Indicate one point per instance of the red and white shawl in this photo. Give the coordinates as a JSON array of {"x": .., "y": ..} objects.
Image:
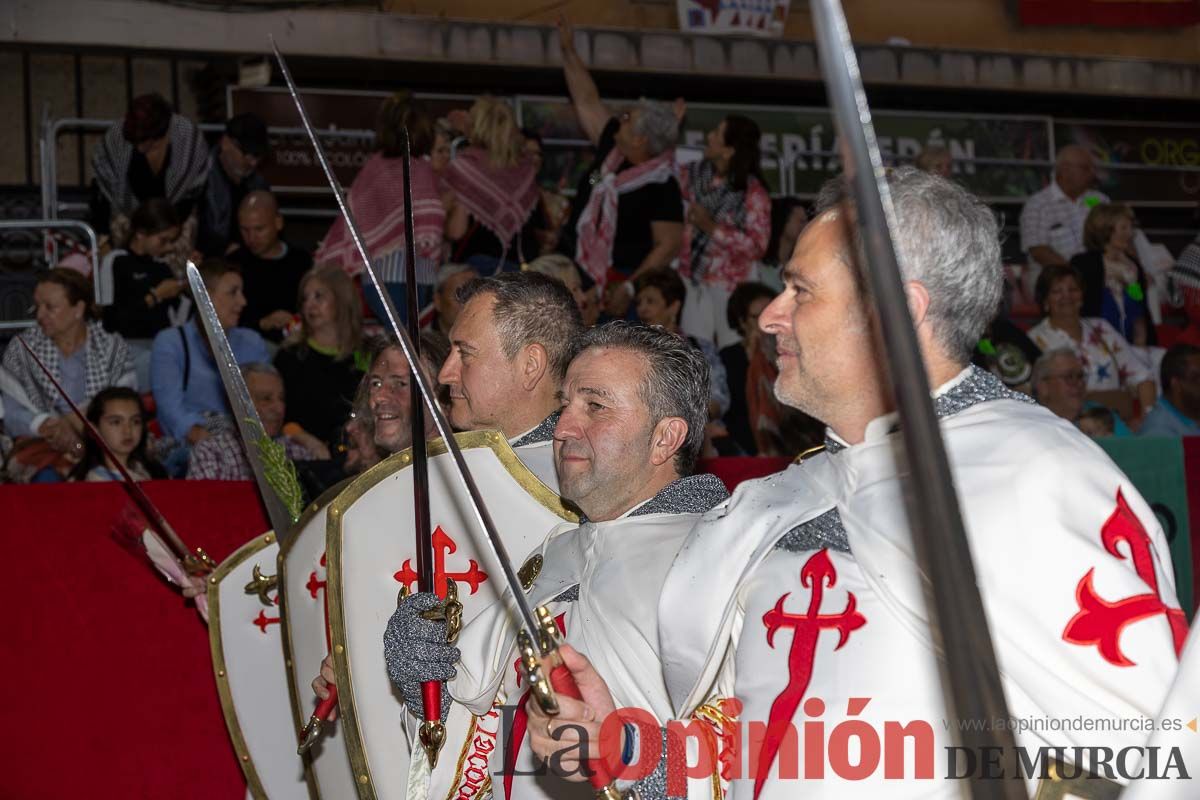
[
  {"x": 376, "y": 199},
  {"x": 500, "y": 198},
  {"x": 597, "y": 226}
]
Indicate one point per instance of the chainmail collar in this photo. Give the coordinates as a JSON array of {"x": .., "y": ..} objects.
[
  {"x": 694, "y": 494},
  {"x": 544, "y": 432},
  {"x": 969, "y": 388}
]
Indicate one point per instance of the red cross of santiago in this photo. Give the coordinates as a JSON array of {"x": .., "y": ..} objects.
[
  {"x": 1101, "y": 622},
  {"x": 817, "y": 574},
  {"x": 443, "y": 546}
]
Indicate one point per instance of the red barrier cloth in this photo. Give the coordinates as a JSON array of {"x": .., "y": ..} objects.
[
  {"x": 111, "y": 690},
  {"x": 1111, "y": 13},
  {"x": 735, "y": 469}
]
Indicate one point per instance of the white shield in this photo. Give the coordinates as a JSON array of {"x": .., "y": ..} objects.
[
  {"x": 244, "y": 636},
  {"x": 302, "y": 574},
  {"x": 371, "y": 554}
]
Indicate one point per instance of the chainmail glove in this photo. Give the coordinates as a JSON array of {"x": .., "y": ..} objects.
[{"x": 416, "y": 651}]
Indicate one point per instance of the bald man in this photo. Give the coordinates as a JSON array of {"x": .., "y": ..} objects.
[
  {"x": 271, "y": 268},
  {"x": 1052, "y": 219}
]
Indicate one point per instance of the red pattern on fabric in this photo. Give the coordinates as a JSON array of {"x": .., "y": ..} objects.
[
  {"x": 1100, "y": 622},
  {"x": 91, "y": 618},
  {"x": 817, "y": 574},
  {"x": 376, "y": 198},
  {"x": 501, "y": 198},
  {"x": 732, "y": 252}
]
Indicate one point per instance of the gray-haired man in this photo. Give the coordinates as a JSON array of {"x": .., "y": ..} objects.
[
  {"x": 634, "y": 404},
  {"x": 628, "y": 209},
  {"x": 801, "y": 600}
]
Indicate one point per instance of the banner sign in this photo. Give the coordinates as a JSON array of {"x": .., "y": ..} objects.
[
  {"x": 292, "y": 165},
  {"x": 799, "y": 145},
  {"x": 1156, "y": 467},
  {"x": 736, "y": 17},
  {"x": 1111, "y": 13},
  {"x": 1167, "y": 147}
]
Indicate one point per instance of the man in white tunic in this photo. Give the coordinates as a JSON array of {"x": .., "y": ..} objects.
[
  {"x": 633, "y": 411},
  {"x": 799, "y": 607}
]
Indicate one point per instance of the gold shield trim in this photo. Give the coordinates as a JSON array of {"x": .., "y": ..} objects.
[
  {"x": 295, "y": 691},
  {"x": 397, "y": 462},
  {"x": 236, "y": 559}
]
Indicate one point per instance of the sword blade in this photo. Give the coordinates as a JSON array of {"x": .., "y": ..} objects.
[
  {"x": 153, "y": 516},
  {"x": 420, "y": 374},
  {"x": 244, "y": 414},
  {"x": 940, "y": 540}
]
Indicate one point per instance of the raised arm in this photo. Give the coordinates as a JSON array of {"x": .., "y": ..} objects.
[{"x": 585, "y": 97}]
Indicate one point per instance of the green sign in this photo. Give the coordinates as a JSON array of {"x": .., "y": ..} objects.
[{"x": 1155, "y": 466}]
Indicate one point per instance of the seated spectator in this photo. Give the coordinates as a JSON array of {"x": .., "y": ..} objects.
[
  {"x": 443, "y": 141},
  {"x": 117, "y": 413},
  {"x": 1114, "y": 283},
  {"x": 450, "y": 278},
  {"x": 189, "y": 397},
  {"x": 935, "y": 158},
  {"x": 661, "y": 294},
  {"x": 271, "y": 267},
  {"x": 628, "y": 210},
  {"x": 388, "y": 397},
  {"x": 82, "y": 356},
  {"x": 745, "y": 305},
  {"x": 1177, "y": 412},
  {"x": 495, "y": 192},
  {"x": 232, "y": 176},
  {"x": 556, "y": 265},
  {"x": 1007, "y": 352},
  {"x": 590, "y": 310},
  {"x": 1052, "y": 220},
  {"x": 1059, "y": 383},
  {"x": 322, "y": 364},
  {"x": 377, "y": 199},
  {"x": 1116, "y": 375},
  {"x": 728, "y": 225},
  {"x": 153, "y": 152},
  {"x": 616, "y": 299},
  {"x": 1183, "y": 286},
  {"x": 1098, "y": 422},
  {"x": 146, "y": 295},
  {"x": 222, "y": 456}
]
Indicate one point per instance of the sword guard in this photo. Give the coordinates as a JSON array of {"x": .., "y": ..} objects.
[
  {"x": 535, "y": 675},
  {"x": 199, "y": 564},
  {"x": 449, "y": 610},
  {"x": 312, "y": 730},
  {"x": 433, "y": 736}
]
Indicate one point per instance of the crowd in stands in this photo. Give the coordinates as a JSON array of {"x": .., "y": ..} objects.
[{"x": 694, "y": 248}]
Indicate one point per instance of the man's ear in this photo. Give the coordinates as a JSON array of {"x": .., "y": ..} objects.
[
  {"x": 669, "y": 436},
  {"x": 917, "y": 297},
  {"x": 535, "y": 363}
]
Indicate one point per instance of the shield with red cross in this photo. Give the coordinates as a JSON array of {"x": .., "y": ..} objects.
[
  {"x": 370, "y": 556},
  {"x": 305, "y": 631},
  {"x": 248, "y": 665}
]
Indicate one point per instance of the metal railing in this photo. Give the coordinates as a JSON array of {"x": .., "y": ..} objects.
[
  {"x": 57, "y": 224},
  {"x": 51, "y": 128}
]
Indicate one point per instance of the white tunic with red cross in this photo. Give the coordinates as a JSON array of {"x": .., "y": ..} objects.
[{"x": 835, "y": 647}]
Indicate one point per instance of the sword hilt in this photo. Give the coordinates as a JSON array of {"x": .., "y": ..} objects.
[{"x": 312, "y": 729}]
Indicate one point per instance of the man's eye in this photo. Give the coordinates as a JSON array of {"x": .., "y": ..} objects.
[{"x": 594, "y": 406}]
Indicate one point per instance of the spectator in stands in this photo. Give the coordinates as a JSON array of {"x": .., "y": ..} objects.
[
  {"x": 188, "y": 394},
  {"x": 146, "y": 295},
  {"x": 590, "y": 310},
  {"x": 1007, "y": 352},
  {"x": 82, "y": 356},
  {"x": 1114, "y": 283},
  {"x": 450, "y": 278},
  {"x": 443, "y": 139},
  {"x": 936, "y": 158},
  {"x": 728, "y": 225},
  {"x": 153, "y": 152},
  {"x": 661, "y": 295},
  {"x": 232, "y": 176},
  {"x": 1098, "y": 422},
  {"x": 389, "y": 398},
  {"x": 742, "y": 311},
  {"x": 616, "y": 300},
  {"x": 628, "y": 210},
  {"x": 1183, "y": 283},
  {"x": 1116, "y": 375},
  {"x": 322, "y": 364},
  {"x": 118, "y": 414},
  {"x": 222, "y": 456},
  {"x": 495, "y": 192},
  {"x": 1052, "y": 220},
  {"x": 1177, "y": 412},
  {"x": 552, "y": 208},
  {"x": 377, "y": 200},
  {"x": 1059, "y": 382},
  {"x": 558, "y": 266},
  {"x": 271, "y": 267}
]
